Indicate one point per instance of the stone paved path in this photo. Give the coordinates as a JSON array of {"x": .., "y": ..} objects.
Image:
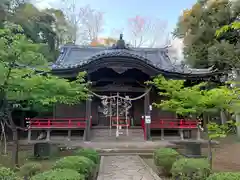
[{"x": 123, "y": 168}]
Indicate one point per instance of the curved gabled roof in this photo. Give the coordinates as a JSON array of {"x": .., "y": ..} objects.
[{"x": 73, "y": 56}]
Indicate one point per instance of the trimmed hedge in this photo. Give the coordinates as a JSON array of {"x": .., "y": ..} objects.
[
  {"x": 225, "y": 176},
  {"x": 164, "y": 158},
  {"x": 89, "y": 153},
  {"x": 7, "y": 174},
  {"x": 80, "y": 164},
  {"x": 59, "y": 174},
  {"x": 30, "y": 169},
  {"x": 190, "y": 169}
]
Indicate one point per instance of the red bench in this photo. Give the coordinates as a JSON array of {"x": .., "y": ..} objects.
[{"x": 56, "y": 123}]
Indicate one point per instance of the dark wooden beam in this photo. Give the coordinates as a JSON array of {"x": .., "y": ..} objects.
[
  {"x": 117, "y": 80},
  {"x": 147, "y": 112},
  {"x": 116, "y": 88}
]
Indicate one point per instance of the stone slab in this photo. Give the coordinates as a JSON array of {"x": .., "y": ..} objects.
[{"x": 123, "y": 168}]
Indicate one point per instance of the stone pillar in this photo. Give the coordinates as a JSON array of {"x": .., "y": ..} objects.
[
  {"x": 147, "y": 112},
  {"x": 88, "y": 120}
]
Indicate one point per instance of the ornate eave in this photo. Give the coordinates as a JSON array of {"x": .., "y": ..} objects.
[{"x": 120, "y": 57}]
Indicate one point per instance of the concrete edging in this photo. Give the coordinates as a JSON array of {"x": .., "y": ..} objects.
[
  {"x": 100, "y": 171},
  {"x": 153, "y": 174}
]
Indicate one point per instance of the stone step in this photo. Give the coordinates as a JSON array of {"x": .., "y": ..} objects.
[
  {"x": 126, "y": 153},
  {"x": 148, "y": 151},
  {"x": 110, "y": 135}
]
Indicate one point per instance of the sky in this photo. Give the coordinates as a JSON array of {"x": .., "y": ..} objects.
[{"x": 117, "y": 12}]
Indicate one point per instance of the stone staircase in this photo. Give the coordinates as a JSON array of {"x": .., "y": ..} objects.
[{"x": 103, "y": 135}]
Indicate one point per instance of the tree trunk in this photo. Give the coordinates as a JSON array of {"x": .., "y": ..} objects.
[
  {"x": 238, "y": 113},
  {"x": 15, "y": 141},
  {"x": 223, "y": 117},
  {"x": 210, "y": 158}
]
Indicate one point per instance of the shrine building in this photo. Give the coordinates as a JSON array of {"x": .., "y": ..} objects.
[{"x": 121, "y": 102}]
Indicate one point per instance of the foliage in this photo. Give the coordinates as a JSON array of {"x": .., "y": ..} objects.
[
  {"x": 81, "y": 164},
  {"x": 103, "y": 42},
  {"x": 7, "y": 174},
  {"x": 197, "y": 100},
  {"x": 190, "y": 169},
  {"x": 226, "y": 28},
  {"x": 59, "y": 174},
  {"x": 220, "y": 130},
  {"x": 50, "y": 26},
  {"x": 197, "y": 27},
  {"x": 25, "y": 79},
  {"x": 30, "y": 169},
  {"x": 89, "y": 153},
  {"x": 25, "y": 83},
  {"x": 194, "y": 100},
  {"x": 224, "y": 176},
  {"x": 165, "y": 157}
]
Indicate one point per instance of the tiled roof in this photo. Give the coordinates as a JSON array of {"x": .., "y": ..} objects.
[{"x": 73, "y": 56}]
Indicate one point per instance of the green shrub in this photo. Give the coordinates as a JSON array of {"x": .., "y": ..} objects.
[
  {"x": 80, "y": 164},
  {"x": 164, "y": 158},
  {"x": 89, "y": 153},
  {"x": 190, "y": 169},
  {"x": 7, "y": 174},
  {"x": 59, "y": 174},
  {"x": 30, "y": 169},
  {"x": 225, "y": 176}
]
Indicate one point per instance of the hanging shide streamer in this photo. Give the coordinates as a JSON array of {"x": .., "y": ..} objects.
[{"x": 117, "y": 106}]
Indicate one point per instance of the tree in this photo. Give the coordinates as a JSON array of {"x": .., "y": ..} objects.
[
  {"x": 197, "y": 101},
  {"x": 103, "y": 42},
  {"x": 91, "y": 24},
  {"x": 37, "y": 26},
  {"x": 86, "y": 23},
  {"x": 25, "y": 81},
  {"x": 197, "y": 27},
  {"x": 146, "y": 32},
  {"x": 61, "y": 27}
]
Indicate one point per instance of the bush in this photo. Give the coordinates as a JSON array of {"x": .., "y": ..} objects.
[
  {"x": 59, "y": 174},
  {"x": 190, "y": 169},
  {"x": 30, "y": 169},
  {"x": 164, "y": 158},
  {"x": 224, "y": 176},
  {"x": 89, "y": 153},
  {"x": 7, "y": 174},
  {"x": 80, "y": 164}
]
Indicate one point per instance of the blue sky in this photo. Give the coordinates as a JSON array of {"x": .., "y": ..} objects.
[{"x": 117, "y": 12}]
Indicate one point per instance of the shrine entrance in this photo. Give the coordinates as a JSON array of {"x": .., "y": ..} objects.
[{"x": 116, "y": 111}]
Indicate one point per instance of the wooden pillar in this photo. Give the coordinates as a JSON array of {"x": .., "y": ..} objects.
[
  {"x": 147, "y": 113},
  {"x": 162, "y": 134},
  {"x": 181, "y": 134},
  {"x": 48, "y": 135},
  {"x": 29, "y": 135},
  {"x": 88, "y": 120},
  {"x": 198, "y": 134}
]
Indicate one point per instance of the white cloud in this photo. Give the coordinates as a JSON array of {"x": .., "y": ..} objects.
[
  {"x": 43, "y": 4},
  {"x": 176, "y": 50}
]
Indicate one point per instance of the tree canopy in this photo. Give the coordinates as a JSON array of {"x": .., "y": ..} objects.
[
  {"x": 197, "y": 27},
  {"x": 195, "y": 100},
  {"x": 25, "y": 72}
]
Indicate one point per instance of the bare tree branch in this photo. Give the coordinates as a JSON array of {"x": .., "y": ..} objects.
[
  {"x": 91, "y": 24},
  {"x": 146, "y": 32}
]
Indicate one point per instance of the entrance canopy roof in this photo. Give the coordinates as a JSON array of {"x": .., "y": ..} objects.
[{"x": 79, "y": 58}]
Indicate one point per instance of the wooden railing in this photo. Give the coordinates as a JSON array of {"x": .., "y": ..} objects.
[
  {"x": 170, "y": 124},
  {"x": 174, "y": 124},
  {"x": 56, "y": 123},
  {"x": 121, "y": 122}
]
